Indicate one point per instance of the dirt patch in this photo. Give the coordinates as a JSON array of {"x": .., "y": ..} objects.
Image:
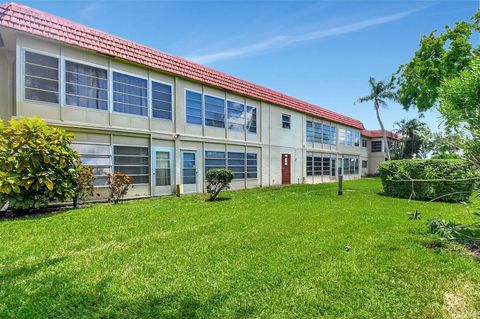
[
  {"x": 459, "y": 303},
  {"x": 28, "y": 213}
]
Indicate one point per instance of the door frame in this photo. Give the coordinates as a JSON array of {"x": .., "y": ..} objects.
[
  {"x": 167, "y": 189},
  {"x": 190, "y": 188}
]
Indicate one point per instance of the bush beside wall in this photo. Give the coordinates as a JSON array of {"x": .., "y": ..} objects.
[{"x": 456, "y": 174}]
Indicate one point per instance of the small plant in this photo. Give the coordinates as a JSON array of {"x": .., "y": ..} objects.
[
  {"x": 119, "y": 185},
  {"x": 83, "y": 184},
  {"x": 217, "y": 180},
  {"x": 414, "y": 215}
]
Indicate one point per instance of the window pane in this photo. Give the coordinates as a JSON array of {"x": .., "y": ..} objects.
[
  {"x": 98, "y": 157},
  {"x": 129, "y": 94},
  {"x": 236, "y": 116},
  {"x": 41, "y": 77},
  {"x": 133, "y": 161},
  {"x": 252, "y": 119},
  {"x": 193, "y": 104},
  {"x": 161, "y": 101}
]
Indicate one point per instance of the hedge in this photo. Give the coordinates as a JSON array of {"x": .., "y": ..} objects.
[{"x": 456, "y": 175}]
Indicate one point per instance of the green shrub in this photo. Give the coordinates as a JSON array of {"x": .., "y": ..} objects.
[
  {"x": 37, "y": 165},
  {"x": 119, "y": 184},
  {"x": 448, "y": 180},
  {"x": 217, "y": 180}
]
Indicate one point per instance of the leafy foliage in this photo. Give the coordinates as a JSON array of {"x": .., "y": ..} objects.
[
  {"x": 217, "y": 180},
  {"x": 119, "y": 184},
  {"x": 460, "y": 106},
  {"x": 416, "y": 142},
  {"x": 37, "y": 165},
  {"x": 468, "y": 234},
  {"x": 380, "y": 93},
  {"x": 83, "y": 184},
  {"x": 441, "y": 180},
  {"x": 440, "y": 57}
]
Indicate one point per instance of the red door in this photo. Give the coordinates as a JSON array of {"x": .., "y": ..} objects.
[{"x": 286, "y": 161}]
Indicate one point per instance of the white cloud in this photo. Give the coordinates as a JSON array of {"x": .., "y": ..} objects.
[{"x": 288, "y": 40}]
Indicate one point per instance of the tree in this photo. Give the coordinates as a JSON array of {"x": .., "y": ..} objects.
[
  {"x": 449, "y": 144},
  {"x": 440, "y": 57},
  {"x": 460, "y": 106},
  {"x": 217, "y": 180},
  {"x": 416, "y": 140},
  {"x": 380, "y": 93},
  {"x": 37, "y": 165}
]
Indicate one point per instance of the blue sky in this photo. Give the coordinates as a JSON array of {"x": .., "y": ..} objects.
[{"x": 322, "y": 52}]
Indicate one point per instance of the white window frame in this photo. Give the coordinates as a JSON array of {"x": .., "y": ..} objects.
[
  {"x": 148, "y": 156},
  {"x": 99, "y": 144},
  {"x": 289, "y": 121},
  {"x": 185, "y": 106},
  {"x": 112, "y": 70},
  {"x": 204, "y": 110},
  {"x": 150, "y": 99},
  {"x": 244, "y": 112}
]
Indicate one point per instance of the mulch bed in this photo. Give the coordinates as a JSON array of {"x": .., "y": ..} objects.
[{"x": 17, "y": 214}]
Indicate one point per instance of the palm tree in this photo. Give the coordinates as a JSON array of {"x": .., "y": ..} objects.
[
  {"x": 416, "y": 138},
  {"x": 380, "y": 92}
]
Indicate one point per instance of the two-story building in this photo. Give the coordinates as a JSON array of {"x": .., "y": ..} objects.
[{"x": 164, "y": 120}]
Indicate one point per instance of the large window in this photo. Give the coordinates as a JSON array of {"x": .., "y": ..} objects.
[
  {"x": 41, "y": 77},
  {"x": 133, "y": 161},
  {"x": 329, "y": 134},
  {"x": 314, "y": 132},
  {"x": 356, "y": 138},
  {"x": 161, "y": 101},
  {"x": 309, "y": 165},
  {"x": 251, "y": 119},
  {"x": 236, "y": 116},
  {"x": 98, "y": 157},
  {"x": 252, "y": 165},
  {"x": 214, "y": 159},
  {"x": 326, "y": 166},
  {"x": 376, "y": 146},
  {"x": 349, "y": 137},
  {"x": 236, "y": 163},
  {"x": 317, "y": 165},
  {"x": 214, "y": 111},
  {"x": 342, "y": 136},
  {"x": 193, "y": 107},
  {"x": 130, "y": 94},
  {"x": 86, "y": 86},
  {"x": 350, "y": 166}
]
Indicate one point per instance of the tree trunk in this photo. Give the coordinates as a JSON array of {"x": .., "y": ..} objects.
[{"x": 384, "y": 133}]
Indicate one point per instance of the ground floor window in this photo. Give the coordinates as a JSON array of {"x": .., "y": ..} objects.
[
  {"x": 350, "y": 166},
  {"x": 364, "y": 164},
  {"x": 321, "y": 165},
  {"x": 162, "y": 168},
  {"x": 97, "y": 156},
  {"x": 252, "y": 165},
  {"x": 243, "y": 165},
  {"x": 133, "y": 161}
]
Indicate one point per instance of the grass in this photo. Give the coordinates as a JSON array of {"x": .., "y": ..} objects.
[{"x": 288, "y": 252}]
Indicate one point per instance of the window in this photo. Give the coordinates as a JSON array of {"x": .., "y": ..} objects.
[
  {"x": 251, "y": 119},
  {"x": 317, "y": 166},
  {"x": 334, "y": 162},
  {"x": 41, "y": 77},
  {"x": 329, "y": 134},
  {"x": 364, "y": 164},
  {"x": 193, "y": 106},
  {"x": 309, "y": 131},
  {"x": 364, "y": 143},
  {"x": 326, "y": 166},
  {"x": 252, "y": 165},
  {"x": 189, "y": 170},
  {"x": 129, "y": 94},
  {"x": 161, "y": 101},
  {"x": 286, "y": 121},
  {"x": 349, "y": 137},
  {"x": 317, "y": 132},
  {"x": 376, "y": 146},
  {"x": 236, "y": 163},
  {"x": 356, "y": 138},
  {"x": 342, "y": 136},
  {"x": 346, "y": 166},
  {"x": 214, "y": 159},
  {"x": 309, "y": 165},
  {"x": 86, "y": 86},
  {"x": 214, "y": 111},
  {"x": 133, "y": 161},
  {"x": 236, "y": 116},
  {"x": 98, "y": 157},
  {"x": 162, "y": 169},
  {"x": 356, "y": 166}
]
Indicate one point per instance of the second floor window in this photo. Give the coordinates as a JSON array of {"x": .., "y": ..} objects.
[
  {"x": 130, "y": 94},
  {"x": 286, "y": 121},
  {"x": 193, "y": 108},
  {"x": 329, "y": 134},
  {"x": 356, "y": 138},
  {"x": 41, "y": 77},
  {"x": 214, "y": 111},
  {"x": 364, "y": 143},
  {"x": 236, "y": 116},
  {"x": 86, "y": 86},
  {"x": 376, "y": 146},
  {"x": 161, "y": 101},
  {"x": 251, "y": 119}
]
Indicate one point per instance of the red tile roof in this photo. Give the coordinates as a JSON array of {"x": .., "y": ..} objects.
[
  {"x": 38, "y": 23},
  {"x": 378, "y": 133}
]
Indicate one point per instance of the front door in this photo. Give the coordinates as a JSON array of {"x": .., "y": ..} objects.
[
  {"x": 189, "y": 171},
  {"x": 286, "y": 163},
  {"x": 162, "y": 171}
]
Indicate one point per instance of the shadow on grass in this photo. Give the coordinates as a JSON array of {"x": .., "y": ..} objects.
[{"x": 16, "y": 273}]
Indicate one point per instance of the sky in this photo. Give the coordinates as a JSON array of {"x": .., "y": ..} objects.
[{"x": 322, "y": 52}]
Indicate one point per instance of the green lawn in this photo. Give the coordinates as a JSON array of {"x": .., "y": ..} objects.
[{"x": 263, "y": 253}]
